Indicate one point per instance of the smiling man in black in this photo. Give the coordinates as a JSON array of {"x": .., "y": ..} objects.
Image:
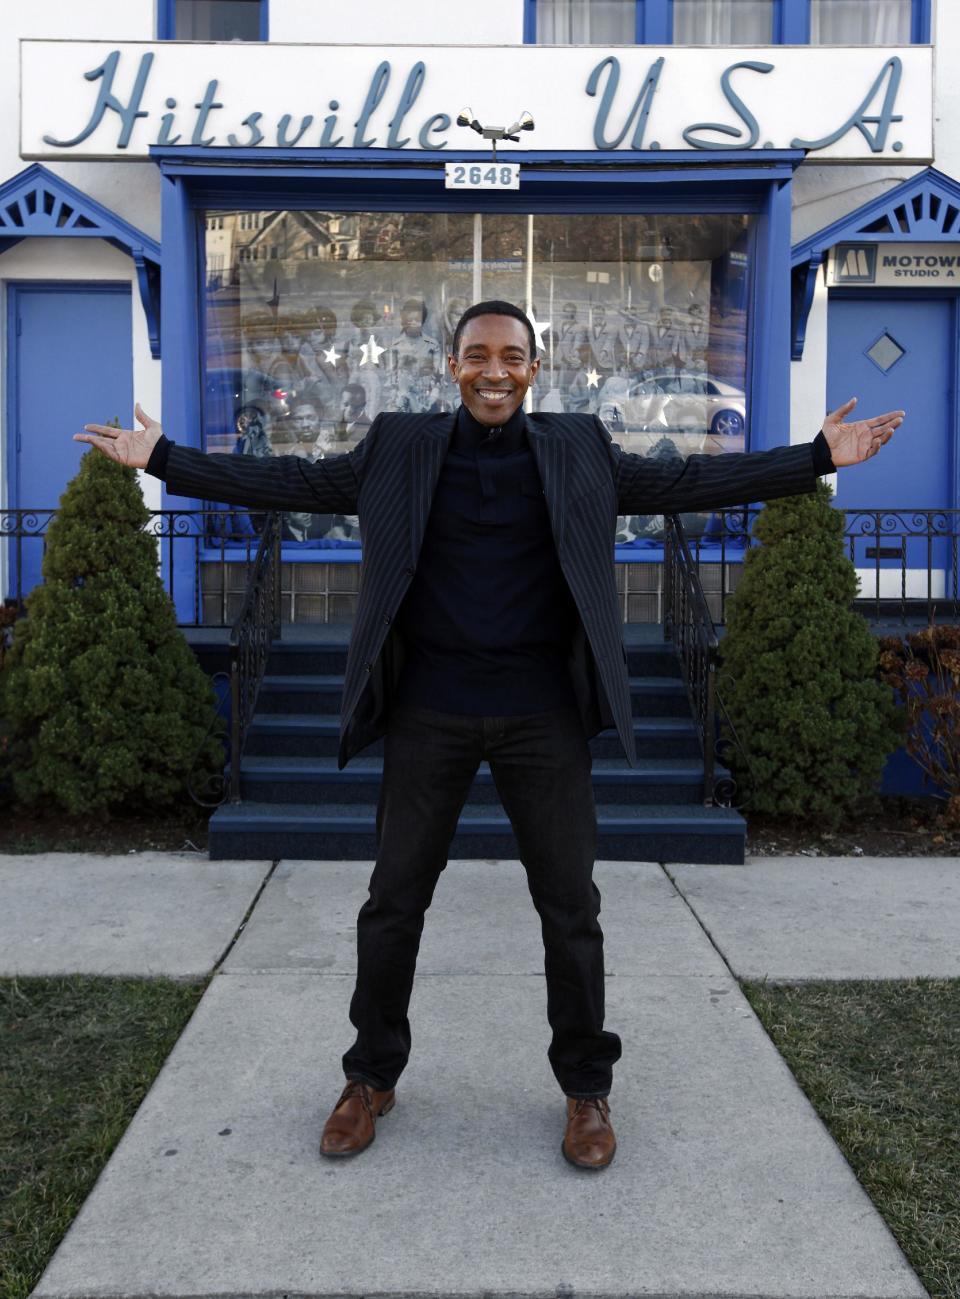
[{"x": 488, "y": 627}]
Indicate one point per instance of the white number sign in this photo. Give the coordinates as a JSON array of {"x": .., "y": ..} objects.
[{"x": 482, "y": 175}]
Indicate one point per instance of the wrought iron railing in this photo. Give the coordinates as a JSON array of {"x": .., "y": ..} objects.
[
  {"x": 212, "y": 542},
  {"x": 687, "y": 622},
  {"x": 251, "y": 638},
  {"x": 908, "y": 561}
]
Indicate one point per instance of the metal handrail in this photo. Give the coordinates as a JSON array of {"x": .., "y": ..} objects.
[
  {"x": 251, "y": 639},
  {"x": 687, "y": 622}
]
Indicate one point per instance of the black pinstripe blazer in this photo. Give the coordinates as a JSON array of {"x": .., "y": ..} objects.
[{"x": 389, "y": 480}]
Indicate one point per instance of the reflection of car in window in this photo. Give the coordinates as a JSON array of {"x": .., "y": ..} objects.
[{"x": 684, "y": 402}]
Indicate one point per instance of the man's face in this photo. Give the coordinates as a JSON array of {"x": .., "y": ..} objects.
[
  {"x": 412, "y": 322},
  {"x": 303, "y": 418},
  {"x": 351, "y": 404},
  {"x": 493, "y": 369}
]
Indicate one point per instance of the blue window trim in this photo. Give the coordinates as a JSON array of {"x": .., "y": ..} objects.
[
  {"x": 166, "y": 20},
  {"x": 791, "y": 22},
  {"x": 191, "y": 183}
]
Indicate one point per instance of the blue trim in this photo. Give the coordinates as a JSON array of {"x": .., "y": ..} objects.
[
  {"x": 529, "y": 22},
  {"x": 790, "y": 25},
  {"x": 37, "y": 204},
  {"x": 181, "y": 379},
  {"x": 920, "y": 34},
  {"x": 803, "y": 285},
  {"x": 794, "y": 28},
  {"x": 167, "y": 24},
  {"x": 222, "y": 161},
  {"x": 768, "y": 375}
]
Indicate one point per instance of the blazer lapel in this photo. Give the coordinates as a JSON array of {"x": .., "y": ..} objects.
[
  {"x": 427, "y": 451},
  {"x": 550, "y": 453}
]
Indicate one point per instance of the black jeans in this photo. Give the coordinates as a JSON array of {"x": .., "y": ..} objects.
[{"x": 541, "y": 767}]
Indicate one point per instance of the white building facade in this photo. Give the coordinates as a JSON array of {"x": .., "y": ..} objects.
[{"x": 262, "y": 219}]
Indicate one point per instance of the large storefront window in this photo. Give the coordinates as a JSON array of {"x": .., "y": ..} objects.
[{"x": 317, "y": 321}]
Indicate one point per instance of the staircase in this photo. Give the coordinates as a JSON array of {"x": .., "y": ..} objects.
[{"x": 296, "y": 804}]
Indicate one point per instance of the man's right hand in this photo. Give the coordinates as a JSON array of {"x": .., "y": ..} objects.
[{"x": 126, "y": 446}]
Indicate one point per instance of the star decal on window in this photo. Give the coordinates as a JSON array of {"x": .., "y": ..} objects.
[
  {"x": 538, "y": 328},
  {"x": 371, "y": 351}
]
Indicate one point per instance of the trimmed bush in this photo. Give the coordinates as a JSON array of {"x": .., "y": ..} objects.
[
  {"x": 799, "y": 668},
  {"x": 105, "y": 706}
]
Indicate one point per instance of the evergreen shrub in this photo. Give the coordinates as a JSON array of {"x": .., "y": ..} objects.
[
  {"x": 799, "y": 668},
  {"x": 104, "y": 704}
]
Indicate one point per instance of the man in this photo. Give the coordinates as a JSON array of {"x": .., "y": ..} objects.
[
  {"x": 488, "y": 627},
  {"x": 354, "y": 420}
]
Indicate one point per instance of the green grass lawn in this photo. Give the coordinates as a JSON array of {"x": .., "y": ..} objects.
[
  {"x": 878, "y": 1059},
  {"x": 77, "y": 1056},
  {"x": 880, "y": 1062}
]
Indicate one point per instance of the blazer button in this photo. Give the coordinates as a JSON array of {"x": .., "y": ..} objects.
[
  {"x": 386, "y": 620},
  {"x": 368, "y": 667},
  {"x": 409, "y": 571}
]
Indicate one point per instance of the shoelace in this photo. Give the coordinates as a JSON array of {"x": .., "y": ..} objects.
[
  {"x": 600, "y": 1104},
  {"x": 356, "y": 1088}
]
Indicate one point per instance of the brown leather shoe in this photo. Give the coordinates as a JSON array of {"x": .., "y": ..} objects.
[
  {"x": 352, "y": 1124},
  {"x": 588, "y": 1141}
]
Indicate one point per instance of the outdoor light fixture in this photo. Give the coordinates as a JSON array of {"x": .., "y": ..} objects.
[{"x": 494, "y": 133}]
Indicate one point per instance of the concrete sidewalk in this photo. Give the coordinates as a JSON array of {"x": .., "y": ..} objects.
[{"x": 725, "y": 1180}]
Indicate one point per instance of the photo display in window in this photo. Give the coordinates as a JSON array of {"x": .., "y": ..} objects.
[{"x": 318, "y": 321}]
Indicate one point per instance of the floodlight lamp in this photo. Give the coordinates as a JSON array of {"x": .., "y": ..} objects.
[{"x": 465, "y": 117}]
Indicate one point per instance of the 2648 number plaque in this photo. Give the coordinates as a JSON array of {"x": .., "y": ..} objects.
[{"x": 482, "y": 175}]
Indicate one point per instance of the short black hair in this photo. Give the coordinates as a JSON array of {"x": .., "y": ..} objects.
[{"x": 495, "y": 307}]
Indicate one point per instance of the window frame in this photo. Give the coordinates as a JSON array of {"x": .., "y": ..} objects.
[
  {"x": 791, "y": 22},
  {"x": 167, "y": 20}
]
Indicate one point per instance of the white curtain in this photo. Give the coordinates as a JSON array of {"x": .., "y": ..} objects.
[
  {"x": 860, "y": 22},
  {"x": 722, "y": 22},
  {"x": 586, "y": 22}
]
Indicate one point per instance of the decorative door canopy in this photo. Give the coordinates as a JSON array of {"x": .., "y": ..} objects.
[
  {"x": 38, "y": 204},
  {"x": 924, "y": 209}
]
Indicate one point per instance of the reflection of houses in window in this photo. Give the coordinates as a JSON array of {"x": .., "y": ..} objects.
[{"x": 295, "y": 238}]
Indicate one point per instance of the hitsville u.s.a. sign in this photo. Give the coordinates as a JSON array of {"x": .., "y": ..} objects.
[{"x": 97, "y": 99}]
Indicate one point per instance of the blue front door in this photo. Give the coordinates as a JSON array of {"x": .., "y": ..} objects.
[
  {"x": 70, "y": 362},
  {"x": 897, "y": 353}
]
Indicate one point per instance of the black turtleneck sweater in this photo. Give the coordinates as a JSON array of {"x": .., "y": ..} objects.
[{"x": 488, "y": 618}]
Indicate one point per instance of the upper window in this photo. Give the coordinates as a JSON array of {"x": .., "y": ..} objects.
[
  {"x": 727, "y": 22},
  {"x": 732, "y": 22},
  {"x": 851, "y": 22},
  {"x": 212, "y": 20}
]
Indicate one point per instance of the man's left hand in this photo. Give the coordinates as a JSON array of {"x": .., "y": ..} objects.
[{"x": 851, "y": 443}]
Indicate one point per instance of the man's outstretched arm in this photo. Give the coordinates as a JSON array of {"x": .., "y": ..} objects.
[
  {"x": 330, "y": 485},
  {"x": 704, "y": 482}
]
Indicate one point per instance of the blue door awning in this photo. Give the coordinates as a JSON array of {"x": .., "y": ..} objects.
[
  {"x": 36, "y": 203},
  {"x": 923, "y": 209}
]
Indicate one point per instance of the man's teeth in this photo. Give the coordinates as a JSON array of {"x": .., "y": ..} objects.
[{"x": 493, "y": 394}]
